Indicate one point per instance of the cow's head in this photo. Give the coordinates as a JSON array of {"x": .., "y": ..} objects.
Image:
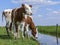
[
  {"x": 28, "y": 9},
  {"x": 7, "y": 12},
  {"x": 35, "y": 33}
]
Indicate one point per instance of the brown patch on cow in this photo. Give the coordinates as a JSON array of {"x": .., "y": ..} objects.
[{"x": 18, "y": 16}]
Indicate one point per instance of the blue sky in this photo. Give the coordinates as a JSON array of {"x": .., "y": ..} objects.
[{"x": 45, "y": 12}]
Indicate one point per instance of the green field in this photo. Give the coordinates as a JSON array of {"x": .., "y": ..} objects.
[
  {"x": 51, "y": 30},
  {"x": 5, "y": 40}
]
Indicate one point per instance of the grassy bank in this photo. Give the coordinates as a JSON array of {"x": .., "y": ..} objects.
[
  {"x": 51, "y": 30},
  {"x": 5, "y": 40}
]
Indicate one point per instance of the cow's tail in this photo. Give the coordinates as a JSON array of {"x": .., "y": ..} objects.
[{"x": 2, "y": 15}]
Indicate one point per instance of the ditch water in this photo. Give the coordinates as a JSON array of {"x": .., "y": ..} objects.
[{"x": 47, "y": 40}]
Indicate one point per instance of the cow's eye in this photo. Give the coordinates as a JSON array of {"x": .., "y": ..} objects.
[
  {"x": 6, "y": 12},
  {"x": 9, "y": 12}
]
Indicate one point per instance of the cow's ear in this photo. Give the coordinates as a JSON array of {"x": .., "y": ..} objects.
[
  {"x": 23, "y": 5},
  {"x": 30, "y": 6}
]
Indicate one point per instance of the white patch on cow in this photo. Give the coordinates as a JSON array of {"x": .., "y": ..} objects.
[
  {"x": 15, "y": 35},
  {"x": 28, "y": 9},
  {"x": 22, "y": 29},
  {"x": 27, "y": 16},
  {"x": 36, "y": 33},
  {"x": 27, "y": 27},
  {"x": 30, "y": 16},
  {"x": 27, "y": 30}
]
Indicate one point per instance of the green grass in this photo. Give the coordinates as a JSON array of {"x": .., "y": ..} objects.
[
  {"x": 5, "y": 40},
  {"x": 51, "y": 30}
]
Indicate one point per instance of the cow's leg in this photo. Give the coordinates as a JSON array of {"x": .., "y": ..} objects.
[
  {"x": 24, "y": 31},
  {"x": 10, "y": 28},
  {"x": 27, "y": 29},
  {"x": 7, "y": 28},
  {"x": 23, "y": 24},
  {"x": 8, "y": 21},
  {"x": 16, "y": 33}
]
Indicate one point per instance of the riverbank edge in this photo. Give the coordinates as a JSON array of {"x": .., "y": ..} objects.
[{"x": 43, "y": 30}]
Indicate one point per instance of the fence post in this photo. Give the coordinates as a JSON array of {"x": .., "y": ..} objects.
[{"x": 57, "y": 33}]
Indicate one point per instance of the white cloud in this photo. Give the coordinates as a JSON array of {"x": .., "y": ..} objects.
[
  {"x": 35, "y": 8},
  {"x": 27, "y": 1},
  {"x": 49, "y": 9},
  {"x": 52, "y": 2},
  {"x": 55, "y": 12},
  {"x": 39, "y": 15},
  {"x": 15, "y": 1},
  {"x": 45, "y": 2}
]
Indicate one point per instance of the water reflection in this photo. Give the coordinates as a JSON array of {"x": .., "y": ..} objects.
[
  {"x": 44, "y": 39},
  {"x": 47, "y": 40}
]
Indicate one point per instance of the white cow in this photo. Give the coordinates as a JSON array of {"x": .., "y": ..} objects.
[{"x": 7, "y": 13}]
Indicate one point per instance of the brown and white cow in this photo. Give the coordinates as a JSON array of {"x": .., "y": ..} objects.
[
  {"x": 29, "y": 25},
  {"x": 18, "y": 16}
]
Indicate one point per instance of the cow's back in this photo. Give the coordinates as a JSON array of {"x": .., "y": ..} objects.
[{"x": 17, "y": 15}]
